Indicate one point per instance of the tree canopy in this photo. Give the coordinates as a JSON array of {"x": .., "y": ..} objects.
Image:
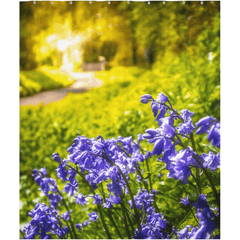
[{"x": 125, "y": 34}]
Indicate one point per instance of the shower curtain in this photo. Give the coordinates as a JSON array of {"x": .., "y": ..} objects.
[{"x": 119, "y": 119}]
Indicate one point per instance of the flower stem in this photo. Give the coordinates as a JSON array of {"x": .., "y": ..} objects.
[
  {"x": 22, "y": 234},
  {"x": 197, "y": 169},
  {"x": 194, "y": 215},
  {"x": 209, "y": 177},
  {"x": 130, "y": 192},
  {"x": 70, "y": 219},
  {"x": 125, "y": 221},
  {"x": 99, "y": 208},
  {"x": 65, "y": 205},
  {"x": 133, "y": 201},
  {"x": 131, "y": 224},
  {"x": 114, "y": 224},
  {"x": 104, "y": 223},
  {"x": 110, "y": 214}
]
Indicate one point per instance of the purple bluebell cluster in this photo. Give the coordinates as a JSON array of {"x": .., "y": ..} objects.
[
  {"x": 212, "y": 127},
  {"x": 107, "y": 167},
  {"x": 45, "y": 221},
  {"x": 207, "y": 221},
  {"x": 172, "y": 127}
]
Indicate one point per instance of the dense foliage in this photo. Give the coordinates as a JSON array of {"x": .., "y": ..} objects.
[
  {"x": 121, "y": 169},
  {"x": 118, "y": 113},
  {"x": 42, "y": 79},
  {"x": 117, "y": 31}
]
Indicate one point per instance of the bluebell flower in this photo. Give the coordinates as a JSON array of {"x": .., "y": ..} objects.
[
  {"x": 81, "y": 157},
  {"x": 93, "y": 216},
  {"x": 91, "y": 177},
  {"x": 102, "y": 175},
  {"x": 140, "y": 137},
  {"x": 159, "y": 175},
  {"x": 66, "y": 215},
  {"x": 61, "y": 172},
  {"x": 71, "y": 188},
  {"x": 37, "y": 176},
  {"x": 72, "y": 175},
  {"x": 139, "y": 179},
  {"x": 61, "y": 232},
  {"x": 211, "y": 161},
  {"x": 169, "y": 152},
  {"x": 179, "y": 165},
  {"x": 162, "y": 98},
  {"x": 73, "y": 156},
  {"x": 186, "y": 128},
  {"x": 214, "y": 135},
  {"x": 138, "y": 157},
  {"x": 206, "y": 218},
  {"x": 52, "y": 185},
  {"x": 201, "y": 202},
  {"x": 158, "y": 147},
  {"x": 85, "y": 223},
  {"x": 203, "y": 124},
  {"x": 43, "y": 171},
  {"x": 142, "y": 199},
  {"x": 45, "y": 186},
  {"x": 146, "y": 98},
  {"x": 140, "y": 235},
  {"x": 185, "y": 201},
  {"x": 167, "y": 130},
  {"x": 107, "y": 204},
  {"x": 127, "y": 144},
  {"x": 44, "y": 221},
  {"x": 200, "y": 233},
  {"x": 115, "y": 187},
  {"x": 155, "y": 108},
  {"x": 204, "y": 121},
  {"x": 163, "y": 111},
  {"x": 192, "y": 232},
  {"x": 54, "y": 199},
  {"x": 147, "y": 155},
  {"x": 150, "y": 133},
  {"x": 98, "y": 146},
  {"x": 154, "y": 192},
  {"x": 183, "y": 234},
  {"x": 80, "y": 199},
  {"x": 56, "y": 157},
  {"x": 79, "y": 226},
  {"x": 97, "y": 199},
  {"x": 150, "y": 210},
  {"x": 186, "y": 115},
  {"x": 115, "y": 199},
  {"x": 165, "y": 120}
]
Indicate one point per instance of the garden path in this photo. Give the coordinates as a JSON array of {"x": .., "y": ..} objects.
[{"x": 83, "y": 82}]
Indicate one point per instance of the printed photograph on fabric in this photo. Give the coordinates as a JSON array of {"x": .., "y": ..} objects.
[{"x": 119, "y": 119}]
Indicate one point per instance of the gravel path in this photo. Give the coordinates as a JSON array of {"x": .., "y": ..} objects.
[{"x": 83, "y": 82}]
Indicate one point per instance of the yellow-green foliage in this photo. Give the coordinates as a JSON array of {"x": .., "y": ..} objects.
[
  {"x": 110, "y": 111},
  {"x": 41, "y": 79}
]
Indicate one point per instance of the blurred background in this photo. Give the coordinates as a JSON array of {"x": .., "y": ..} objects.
[{"x": 134, "y": 49}]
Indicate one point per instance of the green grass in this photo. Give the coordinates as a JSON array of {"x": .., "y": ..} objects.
[{"x": 42, "y": 79}]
